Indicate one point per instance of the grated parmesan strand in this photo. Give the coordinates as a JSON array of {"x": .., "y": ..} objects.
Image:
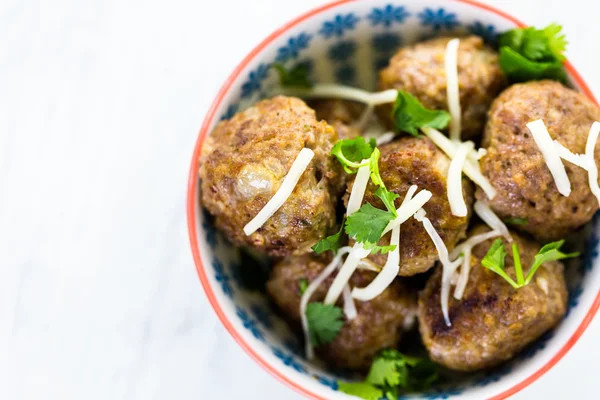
[
  {"x": 285, "y": 190},
  {"x": 454, "y": 180},
  {"x": 545, "y": 144}
]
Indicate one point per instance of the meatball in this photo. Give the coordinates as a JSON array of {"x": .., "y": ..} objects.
[
  {"x": 492, "y": 322},
  {"x": 419, "y": 70},
  {"x": 244, "y": 161},
  {"x": 515, "y": 166},
  {"x": 340, "y": 114},
  {"x": 417, "y": 161},
  {"x": 379, "y": 323}
]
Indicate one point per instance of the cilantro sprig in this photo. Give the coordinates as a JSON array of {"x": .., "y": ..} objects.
[
  {"x": 531, "y": 54},
  {"x": 409, "y": 115},
  {"x": 494, "y": 260},
  {"x": 351, "y": 152},
  {"x": 331, "y": 242},
  {"x": 296, "y": 76},
  {"x": 324, "y": 322},
  {"x": 368, "y": 223},
  {"x": 390, "y": 372}
]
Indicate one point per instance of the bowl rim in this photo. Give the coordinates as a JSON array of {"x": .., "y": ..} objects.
[{"x": 192, "y": 203}]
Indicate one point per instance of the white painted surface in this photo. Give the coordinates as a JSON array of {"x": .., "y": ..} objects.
[{"x": 100, "y": 106}]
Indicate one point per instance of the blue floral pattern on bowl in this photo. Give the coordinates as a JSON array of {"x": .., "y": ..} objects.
[
  {"x": 340, "y": 55},
  {"x": 339, "y": 25},
  {"x": 294, "y": 46},
  {"x": 438, "y": 19},
  {"x": 388, "y": 15}
]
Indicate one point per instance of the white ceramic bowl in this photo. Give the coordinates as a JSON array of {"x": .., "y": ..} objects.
[{"x": 347, "y": 41}]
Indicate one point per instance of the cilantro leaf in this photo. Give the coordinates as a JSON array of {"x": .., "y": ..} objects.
[
  {"x": 516, "y": 221},
  {"x": 531, "y": 54},
  {"x": 350, "y": 152},
  {"x": 494, "y": 260},
  {"x": 550, "y": 252},
  {"x": 383, "y": 372},
  {"x": 324, "y": 322},
  {"x": 391, "y": 371},
  {"x": 363, "y": 390},
  {"x": 331, "y": 242},
  {"x": 368, "y": 223},
  {"x": 375, "y": 248},
  {"x": 388, "y": 199},
  {"x": 520, "y": 69},
  {"x": 302, "y": 285},
  {"x": 409, "y": 115},
  {"x": 294, "y": 77},
  {"x": 422, "y": 375},
  {"x": 557, "y": 42}
]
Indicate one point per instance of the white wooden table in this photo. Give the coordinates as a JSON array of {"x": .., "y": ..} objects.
[{"x": 100, "y": 103}]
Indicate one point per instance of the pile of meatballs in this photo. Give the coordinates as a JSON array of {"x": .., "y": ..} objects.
[{"x": 245, "y": 159}]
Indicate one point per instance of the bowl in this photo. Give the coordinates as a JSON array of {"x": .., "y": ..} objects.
[{"x": 347, "y": 41}]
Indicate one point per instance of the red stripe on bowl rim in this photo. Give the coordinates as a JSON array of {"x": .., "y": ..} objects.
[{"x": 192, "y": 202}]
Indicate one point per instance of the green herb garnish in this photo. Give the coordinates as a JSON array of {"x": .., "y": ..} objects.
[
  {"x": 516, "y": 221},
  {"x": 409, "y": 115},
  {"x": 302, "y": 285},
  {"x": 375, "y": 248},
  {"x": 390, "y": 372},
  {"x": 296, "y": 76},
  {"x": 324, "y": 322},
  {"x": 531, "y": 54},
  {"x": 494, "y": 260},
  {"x": 368, "y": 223},
  {"x": 331, "y": 242},
  {"x": 351, "y": 152}
]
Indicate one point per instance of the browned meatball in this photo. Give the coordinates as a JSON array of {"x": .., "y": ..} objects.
[
  {"x": 493, "y": 321},
  {"x": 379, "y": 323},
  {"x": 341, "y": 114},
  {"x": 245, "y": 160},
  {"x": 516, "y": 168},
  {"x": 417, "y": 161},
  {"x": 419, "y": 70}
]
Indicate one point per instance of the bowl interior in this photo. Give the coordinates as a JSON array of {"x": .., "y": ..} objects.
[{"x": 347, "y": 42}]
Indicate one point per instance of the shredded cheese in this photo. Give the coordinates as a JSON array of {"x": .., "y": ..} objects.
[
  {"x": 491, "y": 219},
  {"x": 454, "y": 181},
  {"x": 448, "y": 267},
  {"x": 470, "y": 168},
  {"x": 465, "y": 248},
  {"x": 452, "y": 89},
  {"x": 387, "y": 274},
  {"x": 385, "y": 138},
  {"x": 567, "y": 155},
  {"x": 392, "y": 265},
  {"x": 332, "y": 90},
  {"x": 349, "y": 306},
  {"x": 367, "y": 265},
  {"x": 285, "y": 190},
  {"x": 341, "y": 279},
  {"x": 365, "y": 117},
  {"x": 591, "y": 162},
  {"x": 358, "y": 188},
  {"x": 310, "y": 290},
  {"x": 408, "y": 208},
  {"x": 557, "y": 169}
]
